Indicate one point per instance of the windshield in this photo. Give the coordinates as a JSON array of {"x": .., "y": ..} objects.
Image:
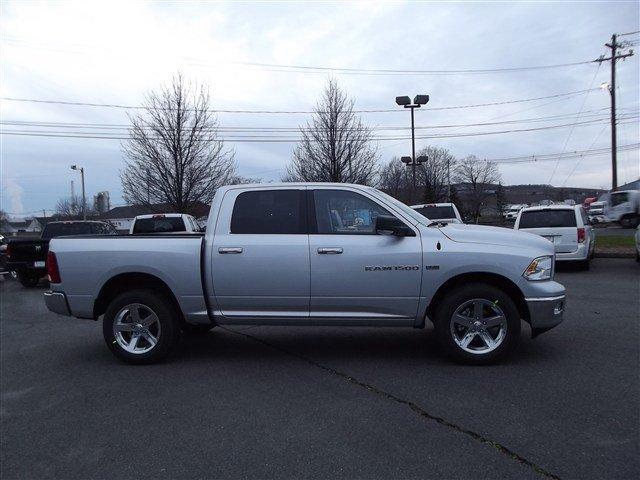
[
  {"x": 53, "y": 230},
  {"x": 406, "y": 209},
  {"x": 434, "y": 212},
  {"x": 159, "y": 225},
  {"x": 548, "y": 218}
]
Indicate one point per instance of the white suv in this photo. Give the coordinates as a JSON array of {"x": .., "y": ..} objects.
[{"x": 566, "y": 226}]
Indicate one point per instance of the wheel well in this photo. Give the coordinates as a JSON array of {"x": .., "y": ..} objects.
[
  {"x": 132, "y": 281},
  {"x": 493, "y": 279}
]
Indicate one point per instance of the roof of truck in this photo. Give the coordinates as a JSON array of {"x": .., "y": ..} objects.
[{"x": 292, "y": 184}]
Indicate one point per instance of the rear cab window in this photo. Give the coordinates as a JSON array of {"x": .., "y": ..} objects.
[
  {"x": 548, "y": 218},
  {"x": 159, "y": 224},
  {"x": 53, "y": 230}
]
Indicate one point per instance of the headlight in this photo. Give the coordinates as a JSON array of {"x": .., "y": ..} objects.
[{"x": 540, "y": 268}]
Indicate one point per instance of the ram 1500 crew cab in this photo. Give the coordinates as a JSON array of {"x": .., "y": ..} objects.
[{"x": 310, "y": 254}]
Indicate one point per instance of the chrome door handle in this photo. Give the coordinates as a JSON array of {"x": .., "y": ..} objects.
[
  {"x": 330, "y": 250},
  {"x": 226, "y": 250}
]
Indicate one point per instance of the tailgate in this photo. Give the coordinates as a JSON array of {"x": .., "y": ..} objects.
[
  {"x": 564, "y": 239},
  {"x": 29, "y": 251}
]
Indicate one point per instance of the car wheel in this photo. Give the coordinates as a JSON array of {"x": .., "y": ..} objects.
[
  {"x": 28, "y": 281},
  {"x": 194, "y": 329},
  {"x": 140, "y": 327},
  {"x": 477, "y": 324}
]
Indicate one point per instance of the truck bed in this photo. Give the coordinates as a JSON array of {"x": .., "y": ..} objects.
[{"x": 88, "y": 263}]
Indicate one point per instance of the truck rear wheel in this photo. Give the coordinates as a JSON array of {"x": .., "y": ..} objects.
[
  {"x": 140, "y": 327},
  {"x": 477, "y": 324}
]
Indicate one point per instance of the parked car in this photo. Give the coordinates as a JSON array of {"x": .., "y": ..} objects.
[
  {"x": 441, "y": 212},
  {"x": 512, "y": 212},
  {"x": 595, "y": 212},
  {"x": 164, "y": 223},
  {"x": 26, "y": 256},
  {"x": 623, "y": 207},
  {"x": 3, "y": 255},
  {"x": 637, "y": 238},
  {"x": 566, "y": 226},
  {"x": 310, "y": 254}
]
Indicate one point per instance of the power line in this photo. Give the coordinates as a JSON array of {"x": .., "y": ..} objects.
[
  {"x": 584, "y": 101},
  {"x": 278, "y": 67},
  {"x": 127, "y": 127},
  {"x": 604, "y": 127},
  {"x": 277, "y": 139},
  {"x": 563, "y": 156},
  {"x": 372, "y": 110}
]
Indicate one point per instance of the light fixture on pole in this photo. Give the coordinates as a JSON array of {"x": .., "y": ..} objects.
[
  {"x": 418, "y": 101},
  {"x": 84, "y": 199}
]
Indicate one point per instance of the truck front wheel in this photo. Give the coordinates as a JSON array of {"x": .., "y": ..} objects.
[
  {"x": 140, "y": 327},
  {"x": 477, "y": 324}
]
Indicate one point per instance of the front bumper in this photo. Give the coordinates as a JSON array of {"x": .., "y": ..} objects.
[
  {"x": 545, "y": 312},
  {"x": 57, "y": 303}
]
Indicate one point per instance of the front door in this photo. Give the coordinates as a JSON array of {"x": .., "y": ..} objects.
[
  {"x": 355, "y": 273},
  {"x": 260, "y": 255}
]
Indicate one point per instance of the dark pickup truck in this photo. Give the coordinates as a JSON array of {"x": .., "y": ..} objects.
[{"x": 27, "y": 256}]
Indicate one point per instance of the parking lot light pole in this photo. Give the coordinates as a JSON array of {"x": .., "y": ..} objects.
[
  {"x": 84, "y": 198},
  {"x": 418, "y": 101}
]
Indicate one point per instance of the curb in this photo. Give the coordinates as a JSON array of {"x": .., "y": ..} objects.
[{"x": 614, "y": 255}]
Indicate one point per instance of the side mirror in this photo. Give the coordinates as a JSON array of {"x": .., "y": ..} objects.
[{"x": 388, "y": 225}]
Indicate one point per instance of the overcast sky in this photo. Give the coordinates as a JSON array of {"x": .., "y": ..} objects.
[{"x": 112, "y": 53}]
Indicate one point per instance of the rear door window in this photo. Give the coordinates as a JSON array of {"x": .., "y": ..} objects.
[
  {"x": 159, "y": 224},
  {"x": 548, "y": 218},
  {"x": 269, "y": 212},
  {"x": 433, "y": 212}
]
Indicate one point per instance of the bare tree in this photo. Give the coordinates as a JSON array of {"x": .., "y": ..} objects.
[
  {"x": 335, "y": 145},
  {"x": 433, "y": 175},
  {"x": 174, "y": 155},
  {"x": 478, "y": 177},
  {"x": 70, "y": 207},
  {"x": 395, "y": 181}
]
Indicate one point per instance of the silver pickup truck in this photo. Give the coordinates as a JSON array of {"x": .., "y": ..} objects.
[{"x": 310, "y": 254}]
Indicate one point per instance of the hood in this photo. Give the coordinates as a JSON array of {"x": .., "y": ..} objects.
[{"x": 495, "y": 236}]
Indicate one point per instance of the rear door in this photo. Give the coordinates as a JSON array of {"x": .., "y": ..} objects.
[
  {"x": 355, "y": 273},
  {"x": 260, "y": 255},
  {"x": 559, "y": 226}
]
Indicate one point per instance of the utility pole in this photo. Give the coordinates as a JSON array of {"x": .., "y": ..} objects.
[{"x": 614, "y": 45}]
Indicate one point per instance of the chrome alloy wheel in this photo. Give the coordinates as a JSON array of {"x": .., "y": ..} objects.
[
  {"x": 478, "y": 326},
  {"x": 136, "y": 328}
]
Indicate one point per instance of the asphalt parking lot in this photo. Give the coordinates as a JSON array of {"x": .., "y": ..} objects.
[{"x": 267, "y": 402}]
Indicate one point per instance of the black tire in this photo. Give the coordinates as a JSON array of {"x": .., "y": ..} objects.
[
  {"x": 458, "y": 297},
  {"x": 169, "y": 325},
  {"x": 194, "y": 329},
  {"x": 584, "y": 264},
  {"x": 28, "y": 281}
]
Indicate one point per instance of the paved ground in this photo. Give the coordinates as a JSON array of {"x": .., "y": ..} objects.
[{"x": 326, "y": 402}]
